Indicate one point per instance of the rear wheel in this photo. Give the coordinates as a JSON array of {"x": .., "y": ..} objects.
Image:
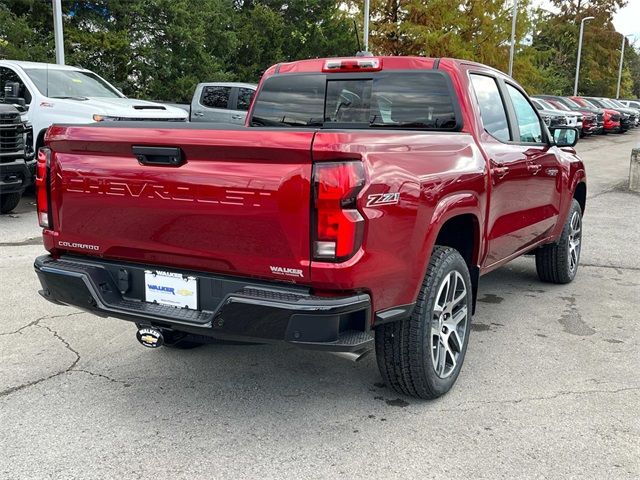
[
  {"x": 422, "y": 356},
  {"x": 9, "y": 201},
  {"x": 558, "y": 262}
]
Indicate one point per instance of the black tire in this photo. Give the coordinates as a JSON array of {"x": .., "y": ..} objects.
[
  {"x": 9, "y": 201},
  {"x": 558, "y": 262},
  {"x": 404, "y": 349}
]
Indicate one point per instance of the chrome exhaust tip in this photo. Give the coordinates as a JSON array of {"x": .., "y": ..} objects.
[{"x": 353, "y": 356}]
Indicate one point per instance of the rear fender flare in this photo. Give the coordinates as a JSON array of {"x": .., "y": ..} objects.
[
  {"x": 578, "y": 177},
  {"x": 447, "y": 208}
]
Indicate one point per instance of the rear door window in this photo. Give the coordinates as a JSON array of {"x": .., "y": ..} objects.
[
  {"x": 244, "y": 98},
  {"x": 404, "y": 100},
  {"x": 290, "y": 101},
  {"x": 215, "y": 96}
]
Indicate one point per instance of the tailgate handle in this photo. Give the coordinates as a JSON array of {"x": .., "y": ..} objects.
[{"x": 169, "y": 156}]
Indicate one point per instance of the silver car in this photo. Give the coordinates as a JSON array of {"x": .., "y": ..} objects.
[{"x": 222, "y": 102}]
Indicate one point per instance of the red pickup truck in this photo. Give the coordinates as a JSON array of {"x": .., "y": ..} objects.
[{"x": 355, "y": 211}]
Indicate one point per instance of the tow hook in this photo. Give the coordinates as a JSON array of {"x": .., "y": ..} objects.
[{"x": 150, "y": 337}]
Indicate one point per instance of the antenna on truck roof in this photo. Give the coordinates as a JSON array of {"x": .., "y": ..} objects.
[
  {"x": 355, "y": 28},
  {"x": 360, "y": 52}
]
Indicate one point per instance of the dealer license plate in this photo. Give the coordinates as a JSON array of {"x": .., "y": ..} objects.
[{"x": 174, "y": 289}]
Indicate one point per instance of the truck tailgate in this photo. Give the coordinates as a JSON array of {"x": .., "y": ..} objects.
[{"x": 235, "y": 205}]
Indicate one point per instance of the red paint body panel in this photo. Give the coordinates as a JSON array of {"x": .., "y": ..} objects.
[
  {"x": 235, "y": 206},
  {"x": 242, "y": 201}
]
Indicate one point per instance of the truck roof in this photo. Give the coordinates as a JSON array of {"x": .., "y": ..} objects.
[
  {"x": 229, "y": 84},
  {"x": 34, "y": 65},
  {"x": 388, "y": 62}
]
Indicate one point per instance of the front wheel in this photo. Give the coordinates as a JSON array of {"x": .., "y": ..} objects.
[
  {"x": 9, "y": 201},
  {"x": 558, "y": 262},
  {"x": 422, "y": 356}
]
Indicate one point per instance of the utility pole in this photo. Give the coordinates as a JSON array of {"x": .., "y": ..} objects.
[
  {"x": 366, "y": 25},
  {"x": 575, "y": 86},
  {"x": 624, "y": 40},
  {"x": 57, "y": 31},
  {"x": 513, "y": 36}
]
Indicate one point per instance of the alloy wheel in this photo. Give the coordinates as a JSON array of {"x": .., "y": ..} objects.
[
  {"x": 449, "y": 324},
  {"x": 575, "y": 237}
]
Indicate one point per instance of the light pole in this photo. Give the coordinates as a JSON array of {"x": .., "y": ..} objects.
[
  {"x": 624, "y": 40},
  {"x": 575, "y": 87},
  {"x": 513, "y": 36},
  {"x": 366, "y": 25},
  {"x": 57, "y": 31}
]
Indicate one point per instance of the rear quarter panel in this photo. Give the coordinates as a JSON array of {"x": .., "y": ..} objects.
[{"x": 438, "y": 175}]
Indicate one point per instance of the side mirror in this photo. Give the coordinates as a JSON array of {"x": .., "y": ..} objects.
[
  {"x": 565, "y": 136},
  {"x": 11, "y": 94}
]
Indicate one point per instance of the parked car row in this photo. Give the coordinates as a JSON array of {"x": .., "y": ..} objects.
[{"x": 595, "y": 115}]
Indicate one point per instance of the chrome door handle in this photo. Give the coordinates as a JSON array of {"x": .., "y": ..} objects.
[
  {"x": 500, "y": 171},
  {"x": 237, "y": 117},
  {"x": 534, "y": 168},
  {"x": 198, "y": 114}
]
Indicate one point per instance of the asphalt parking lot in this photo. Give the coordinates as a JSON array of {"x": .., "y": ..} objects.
[{"x": 550, "y": 386}]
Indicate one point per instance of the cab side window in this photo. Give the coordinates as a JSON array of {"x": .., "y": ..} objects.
[
  {"x": 528, "y": 121},
  {"x": 8, "y": 75},
  {"x": 492, "y": 111},
  {"x": 215, "y": 97}
]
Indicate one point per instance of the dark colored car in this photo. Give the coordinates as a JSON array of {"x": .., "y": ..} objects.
[
  {"x": 590, "y": 124},
  {"x": 633, "y": 110},
  {"x": 569, "y": 104},
  {"x": 614, "y": 120},
  {"x": 17, "y": 162},
  {"x": 627, "y": 116},
  {"x": 355, "y": 211}
]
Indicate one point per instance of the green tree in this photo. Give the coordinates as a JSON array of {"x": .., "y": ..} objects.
[{"x": 556, "y": 41}]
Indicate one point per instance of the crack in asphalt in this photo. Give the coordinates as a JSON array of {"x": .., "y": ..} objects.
[
  {"x": 614, "y": 267},
  {"x": 94, "y": 374},
  {"x": 36, "y": 322},
  {"x": 22, "y": 243},
  {"x": 67, "y": 345},
  {"x": 620, "y": 187},
  {"x": 534, "y": 399}
]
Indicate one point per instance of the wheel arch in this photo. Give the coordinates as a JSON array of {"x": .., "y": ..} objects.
[
  {"x": 456, "y": 223},
  {"x": 580, "y": 194},
  {"x": 40, "y": 139}
]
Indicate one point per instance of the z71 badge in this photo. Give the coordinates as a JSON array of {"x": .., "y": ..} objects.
[{"x": 379, "y": 199}]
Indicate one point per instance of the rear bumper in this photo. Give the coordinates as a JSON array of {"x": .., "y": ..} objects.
[
  {"x": 16, "y": 176},
  {"x": 231, "y": 308}
]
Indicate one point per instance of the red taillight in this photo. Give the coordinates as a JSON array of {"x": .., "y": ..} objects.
[
  {"x": 338, "y": 224},
  {"x": 353, "y": 65},
  {"x": 42, "y": 187}
]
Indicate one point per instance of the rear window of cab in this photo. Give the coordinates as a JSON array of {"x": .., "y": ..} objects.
[{"x": 415, "y": 100}]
